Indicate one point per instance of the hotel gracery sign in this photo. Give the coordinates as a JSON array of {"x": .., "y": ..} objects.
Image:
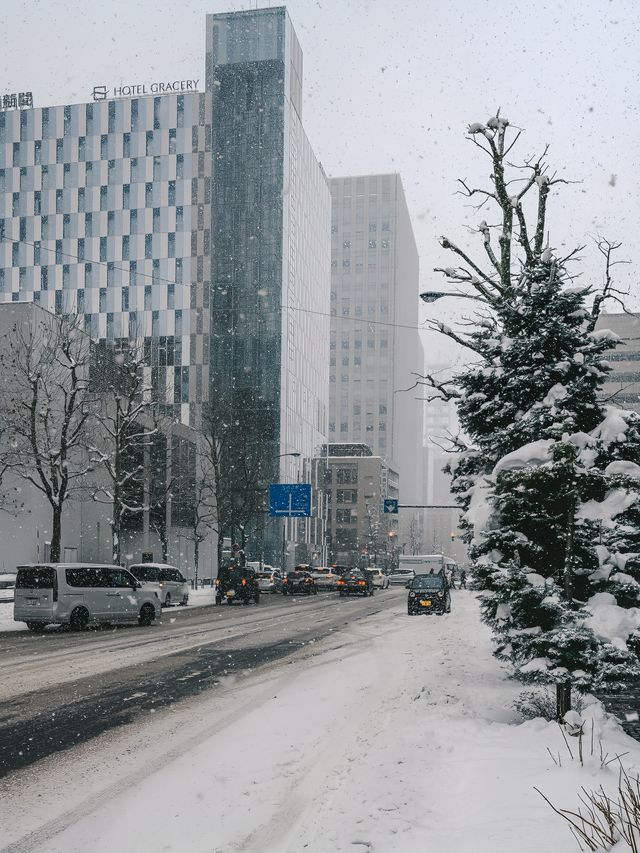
[{"x": 138, "y": 90}]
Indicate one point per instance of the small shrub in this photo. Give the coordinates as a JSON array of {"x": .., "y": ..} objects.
[{"x": 531, "y": 704}]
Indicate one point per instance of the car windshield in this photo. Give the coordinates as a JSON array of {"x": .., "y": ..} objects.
[{"x": 427, "y": 582}]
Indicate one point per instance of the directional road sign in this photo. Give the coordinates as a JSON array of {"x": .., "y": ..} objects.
[
  {"x": 290, "y": 500},
  {"x": 391, "y": 505}
]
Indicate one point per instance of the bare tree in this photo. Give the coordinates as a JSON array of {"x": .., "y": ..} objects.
[
  {"x": 204, "y": 517},
  {"x": 46, "y": 364},
  {"x": 125, "y": 430}
]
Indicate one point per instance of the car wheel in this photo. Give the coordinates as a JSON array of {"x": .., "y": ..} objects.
[
  {"x": 218, "y": 599},
  {"x": 284, "y": 591},
  {"x": 372, "y": 592},
  {"x": 147, "y": 614},
  {"x": 167, "y": 600},
  {"x": 36, "y": 627},
  {"x": 256, "y": 597},
  {"x": 79, "y": 619}
]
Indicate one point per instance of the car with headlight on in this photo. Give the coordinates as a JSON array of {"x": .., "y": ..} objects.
[
  {"x": 429, "y": 594},
  {"x": 356, "y": 583},
  {"x": 267, "y": 578},
  {"x": 297, "y": 582}
]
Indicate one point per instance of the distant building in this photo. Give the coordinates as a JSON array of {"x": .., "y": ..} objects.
[
  {"x": 358, "y": 529},
  {"x": 622, "y": 387},
  {"x": 375, "y": 345}
]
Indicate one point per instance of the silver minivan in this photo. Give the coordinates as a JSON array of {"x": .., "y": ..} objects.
[
  {"x": 77, "y": 594},
  {"x": 171, "y": 586}
]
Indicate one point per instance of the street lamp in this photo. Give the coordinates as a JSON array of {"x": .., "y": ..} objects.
[
  {"x": 296, "y": 455},
  {"x": 432, "y": 295}
]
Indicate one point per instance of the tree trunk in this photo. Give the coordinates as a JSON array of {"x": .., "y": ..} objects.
[
  {"x": 196, "y": 555},
  {"x": 568, "y": 551},
  {"x": 56, "y": 534},
  {"x": 563, "y": 699}
]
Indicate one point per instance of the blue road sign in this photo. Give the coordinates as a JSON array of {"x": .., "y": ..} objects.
[
  {"x": 290, "y": 500},
  {"x": 391, "y": 505}
]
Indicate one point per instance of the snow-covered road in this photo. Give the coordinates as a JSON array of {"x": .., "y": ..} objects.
[{"x": 395, "y": 735}]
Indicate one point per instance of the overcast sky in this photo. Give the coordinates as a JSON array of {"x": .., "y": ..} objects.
[{"x": 391, "y": 86}]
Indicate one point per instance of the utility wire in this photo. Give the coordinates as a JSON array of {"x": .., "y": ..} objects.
[{"x": 156, "y": 278}]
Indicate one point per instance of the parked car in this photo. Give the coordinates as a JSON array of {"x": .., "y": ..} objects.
[
  {"x": 356, "y": 582},
  {"x": 7, "y": 587},
  {"x": 77, "y": 594},
  {"x": 429, "y": 594},
  {"x": 401, "y": 577},
  {"x": 299, "y": 582},
  {"x": 380, "y": 578},
  {"x": 325, "y": 578},
  {"x": 267, "y": 579},
  {"x": 171, "y": 586}
]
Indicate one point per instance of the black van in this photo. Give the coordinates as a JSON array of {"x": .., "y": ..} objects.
[{"x": 429, "y": 594}]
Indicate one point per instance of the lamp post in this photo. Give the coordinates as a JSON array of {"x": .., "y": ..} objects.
[
  {"x": 433, "y": 295},
  {"x": 295, "y": 455}
]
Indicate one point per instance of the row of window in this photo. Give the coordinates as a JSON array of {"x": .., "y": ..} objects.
[
  {"x": 111, "y": 198},
  {"x": 155, "y": 246},
  {"x": 138, "y": 171},
  {"x": 111, "y": 147},
  {"x": 117, "y": 117}
]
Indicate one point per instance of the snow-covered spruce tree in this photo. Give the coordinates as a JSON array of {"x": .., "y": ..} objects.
[{"x": 546, "y": 473}]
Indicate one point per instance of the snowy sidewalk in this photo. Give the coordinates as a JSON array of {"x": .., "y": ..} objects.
[{"x": 396, "y": 736}]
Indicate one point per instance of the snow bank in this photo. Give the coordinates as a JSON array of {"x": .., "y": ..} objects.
[
  {"x": 535, "y": 453},
  {"x": 610, "y": 622},
  {"x": 615, "y": 502}
]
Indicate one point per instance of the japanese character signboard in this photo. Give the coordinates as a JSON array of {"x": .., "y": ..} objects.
[{"x": 16, "y": 101}]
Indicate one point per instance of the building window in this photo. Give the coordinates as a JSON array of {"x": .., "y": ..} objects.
[
  {"x": 172, "y": 140},
  {"x": 59, "y": 250},
  {"x": 81, "y": 199},
  {"x": 102, "y": 306},
  {"x": 59, "y": 151},
  {"x": 171, "y": 296},
  {"x": 148, "y": 245},
  {"x": 126, "y": 145},
  {"x": 104, "y": 143},
  {"x": 103, "y": 249},
  {"x": 346, "y": 475},
  {"x": 147, "y": 297},
  {"x": 58, "y": 302},
  {"x": 125, "y": 298},
  {"x": 80, "y": 301},
  {"x": 125, "y": 248},
  {"x": 172, "y": 193},
  {"x": 37, "y": 152},
  {"x": 126, "y": 196},
  {"x": 103, "y": 198}
]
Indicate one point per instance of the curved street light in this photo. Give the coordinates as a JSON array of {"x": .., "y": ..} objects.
[{"x": 432, "y": 295}]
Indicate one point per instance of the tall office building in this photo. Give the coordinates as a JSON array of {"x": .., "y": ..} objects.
[
  {"x": 196, "y": 222},
  {"x": 375, "y": 345},
  {"x": 270, "y": 250}
]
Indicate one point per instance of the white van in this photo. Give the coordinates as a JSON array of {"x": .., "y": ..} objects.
[
  {"x": 77, "y": 594},
  {"x": 167, "y": 580}
]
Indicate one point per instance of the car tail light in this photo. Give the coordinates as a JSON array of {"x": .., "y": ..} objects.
[
  {"x": 244, "y": 581},
  {"x": 340, "y": 583},
  {"x": 362, "y": 583}
]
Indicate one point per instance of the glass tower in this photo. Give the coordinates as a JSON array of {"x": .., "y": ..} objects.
[{"x": 270, "y": 251}]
